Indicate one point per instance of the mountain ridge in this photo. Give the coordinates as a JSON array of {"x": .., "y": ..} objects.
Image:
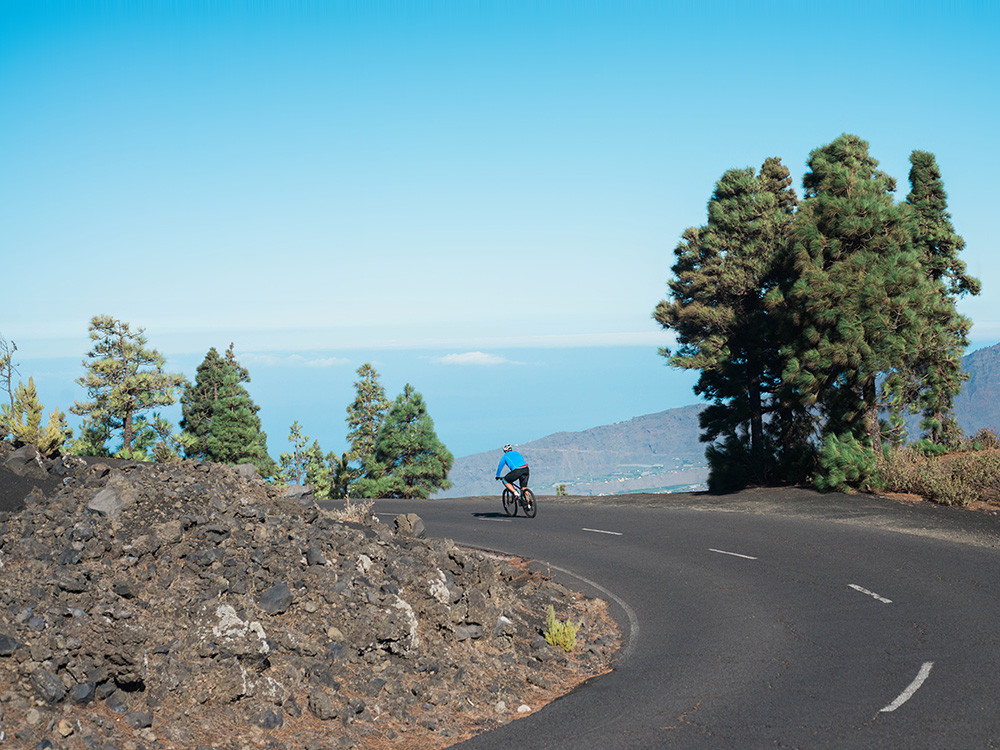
[{"x": 662, "y": 451}]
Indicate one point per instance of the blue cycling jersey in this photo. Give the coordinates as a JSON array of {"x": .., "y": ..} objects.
[{"x": 512, "y": 460}]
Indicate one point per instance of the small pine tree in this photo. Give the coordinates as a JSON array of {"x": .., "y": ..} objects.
[
  {"x": 343, "y": 475},
  {"x": 414, "y": 462},
  {"x": 23, "y": 421},
  {"x": 8, "y": 368},
  {"x": 318, "y": 474},
  {"x": 155, "y": 440},
  {"x": 293, "y": 465}
]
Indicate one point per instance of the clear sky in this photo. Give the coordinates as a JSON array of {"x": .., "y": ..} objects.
[{"x": 482, "y": 198}]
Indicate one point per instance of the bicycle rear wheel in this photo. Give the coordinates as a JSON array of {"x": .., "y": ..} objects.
[
  {"x": 509, "y": 503},
  {"x": 530, "y": 506}
]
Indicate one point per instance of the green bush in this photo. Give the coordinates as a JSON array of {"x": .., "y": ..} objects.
[
  {"x": 985, "y": 439},
  {"x": 929, "y": 448},
  {"x": 561, "y": 634},
  {"x": 844, "y": 463}
]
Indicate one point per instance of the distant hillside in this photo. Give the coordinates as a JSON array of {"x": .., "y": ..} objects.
[
  {"x": 659, "y": 452},
  {"x": 652, "y": 452},
  {"x": 978, "y": 405}
]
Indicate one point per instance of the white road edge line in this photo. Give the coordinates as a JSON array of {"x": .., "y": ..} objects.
[
  {"x": 872, "y": 594},
  {"x": 734, "y": 554},
  {"x": 633, "y": 620},
  {"x": 925, "y": 670},
  {"x": 602, "y": 531}
]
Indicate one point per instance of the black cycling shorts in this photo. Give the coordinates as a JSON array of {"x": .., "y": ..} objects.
[{"x": 518, "y": 475}]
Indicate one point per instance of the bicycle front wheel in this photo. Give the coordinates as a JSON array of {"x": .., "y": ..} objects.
[
  {"x": 509, "y": 503},
  {"x": 530, "y": 506}
]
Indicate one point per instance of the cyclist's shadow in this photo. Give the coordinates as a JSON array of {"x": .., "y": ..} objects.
[{"x": 490, "y": 515}]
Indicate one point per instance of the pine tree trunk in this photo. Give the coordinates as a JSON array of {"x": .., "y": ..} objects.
[
  {"x": 756, "y": 430},
  {"x": 871, "y": 416},
  {"x": 127, "y": 430}
]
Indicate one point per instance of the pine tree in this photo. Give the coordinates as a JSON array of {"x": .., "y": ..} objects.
[
  {"x": 293, "y": 465},
  {"x": 934, "y": 375},
  {"x": 415, "y": 462},
  {"x": 854, "y": 294},
  {"x": 318, "y": 473},
  {"x": 155, "y": 440},
  {"x": 722, "y": 274},
  {"x": 220, "y": 421},
  {"x": 365, "y": 416},
  {"x": 8, "y": 368},
  {"x": 23, "y": 421},
  {"x": 198, "y": 404},
  {"x": 342, "y": 474},
  {"x": 124, "y": 378}
]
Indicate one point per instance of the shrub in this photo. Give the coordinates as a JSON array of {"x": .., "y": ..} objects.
[
  {"x": 356, "y": 512},
  {"x": 561, "y": 634},
  {"x": 844, "y": 463},
  {"x": 951, "y": 479},
  {"x": 985, "y": 439},
  {"x": 929, "y": 448}
]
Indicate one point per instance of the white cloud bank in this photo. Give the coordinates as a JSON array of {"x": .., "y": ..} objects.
[
  {"x": 474, "y": 359},
  {"x": 292, "y": 360}
]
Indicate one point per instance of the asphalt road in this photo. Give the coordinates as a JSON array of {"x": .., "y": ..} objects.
[{"x": 767, "y": 619}]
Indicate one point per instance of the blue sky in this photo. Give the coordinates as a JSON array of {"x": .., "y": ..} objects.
[{"x": 480, "y": 198}]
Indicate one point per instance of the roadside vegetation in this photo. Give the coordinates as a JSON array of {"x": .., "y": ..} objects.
[
  {"x": 818, "y": 326},
  {"x": 966, "y": 473}
]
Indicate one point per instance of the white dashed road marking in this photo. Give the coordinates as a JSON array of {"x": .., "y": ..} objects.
[
  {"x": 602, "y": 531},
  {"x": 734, "y": 554},
  {"x": 925, "y": 670},
  {"x": 872, "y": 594}
]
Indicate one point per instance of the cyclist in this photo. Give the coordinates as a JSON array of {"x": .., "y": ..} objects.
[{"x": 518, "y": 469}]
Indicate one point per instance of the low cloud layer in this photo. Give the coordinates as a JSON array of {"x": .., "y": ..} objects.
[
  {"x": 475, "y": 359},
  {"x": 292, "y": 360}
]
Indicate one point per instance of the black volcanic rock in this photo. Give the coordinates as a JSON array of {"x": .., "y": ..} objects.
[{"x": 206, "y": 605}]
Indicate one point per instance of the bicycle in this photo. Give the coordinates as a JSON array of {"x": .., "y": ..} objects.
[{"x": 525, "y": 498}]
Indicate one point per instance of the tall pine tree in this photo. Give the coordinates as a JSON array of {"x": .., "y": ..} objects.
[
  {"x": 722, "y": 274},
  {"x": 220, "y": 421},
  {"x": 415, "y": 463},
  {"x": 365, "y": 416},
  {"x": 124, "y": 379},
  {"x": 198, "y": 403},
  {"x": 934, "y": 375},
  {"x": 855, "y": 300}
]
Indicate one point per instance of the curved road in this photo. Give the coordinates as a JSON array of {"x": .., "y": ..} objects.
[{"x": 775, "y": 619}]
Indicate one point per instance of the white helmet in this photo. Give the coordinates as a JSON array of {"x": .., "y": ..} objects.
[{"x": 508, "y": 447}]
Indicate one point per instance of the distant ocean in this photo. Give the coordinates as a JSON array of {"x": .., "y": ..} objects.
[{"x": 533, "y": 392}]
